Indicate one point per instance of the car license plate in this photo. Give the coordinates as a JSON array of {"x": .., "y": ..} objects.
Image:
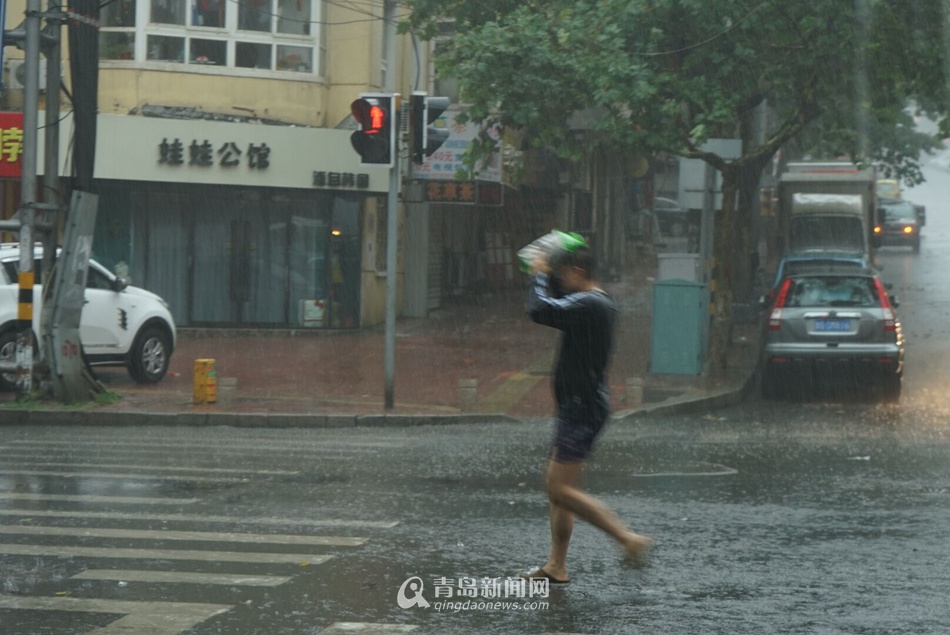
[{"x": 832, "y": 326}]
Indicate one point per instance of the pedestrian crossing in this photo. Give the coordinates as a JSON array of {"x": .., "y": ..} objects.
[{"x": 98, "y": 537}]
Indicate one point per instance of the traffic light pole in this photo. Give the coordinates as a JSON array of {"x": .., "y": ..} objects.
[{"x": 392, "y": 226}]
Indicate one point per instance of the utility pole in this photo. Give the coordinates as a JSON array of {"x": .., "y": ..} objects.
[
  {"x": 392, "y": 226},
  {"x": 27, "y": 212}
]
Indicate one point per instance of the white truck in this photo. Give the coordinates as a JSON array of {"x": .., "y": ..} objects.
[{"x": 828, "y": 206}]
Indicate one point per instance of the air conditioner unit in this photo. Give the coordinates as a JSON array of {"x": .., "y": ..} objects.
[{"x": 17, "y": 76}]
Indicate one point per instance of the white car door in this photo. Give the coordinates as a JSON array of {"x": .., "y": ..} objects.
[{"x": 105, "y": 318}]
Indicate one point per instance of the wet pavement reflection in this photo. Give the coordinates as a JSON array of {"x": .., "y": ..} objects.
[{"x": 770, "y": 517}]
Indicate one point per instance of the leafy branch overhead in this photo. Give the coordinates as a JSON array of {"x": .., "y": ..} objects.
[{"x": 666, "y": 75}]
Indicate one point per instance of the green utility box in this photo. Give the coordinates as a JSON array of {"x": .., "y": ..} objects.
[{"x": 680, "y": 320}]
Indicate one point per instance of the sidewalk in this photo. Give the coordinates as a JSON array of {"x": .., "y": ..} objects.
[{"x": 476, "y": 358}]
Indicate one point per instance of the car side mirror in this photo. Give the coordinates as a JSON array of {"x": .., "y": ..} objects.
[
  {"x": 895, "y": 302},
  {"x": 119, "y": 284}
]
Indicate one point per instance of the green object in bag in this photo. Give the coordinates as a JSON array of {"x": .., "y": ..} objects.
[{"x": 548, "y": 246}]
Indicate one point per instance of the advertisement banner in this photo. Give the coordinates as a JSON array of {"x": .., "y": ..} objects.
[
  {"x": 11, "y": 144},
  {"x": 446, "y": 162}
]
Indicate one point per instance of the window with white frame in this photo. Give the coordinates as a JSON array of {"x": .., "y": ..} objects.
[{"x": 279, "y": 35}]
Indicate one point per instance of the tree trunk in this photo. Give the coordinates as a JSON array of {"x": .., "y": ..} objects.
[{"x": 724, "y": 246}]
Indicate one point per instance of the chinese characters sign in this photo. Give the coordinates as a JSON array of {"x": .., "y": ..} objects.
[
  {"x": 205, "y": 154},
  {"x": 447, "y": 160},
  {"x": 340, "y": 180},
  {"x": 11, "y": 143},
  {"x": 464, "y": 192}
]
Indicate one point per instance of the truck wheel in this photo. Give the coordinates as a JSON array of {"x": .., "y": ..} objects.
[
  {"x": 916, "y": 245},
  {"x": 891, "y": 389}
]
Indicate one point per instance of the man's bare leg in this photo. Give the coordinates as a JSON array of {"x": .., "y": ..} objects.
[
  {"x": 568, "y": 498},
  {"x": 562, "y": 526}
]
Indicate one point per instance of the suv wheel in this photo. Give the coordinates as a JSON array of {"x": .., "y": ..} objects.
[
  {"x": 150, "y": 355},
  {"x": 8, "y": 354}
]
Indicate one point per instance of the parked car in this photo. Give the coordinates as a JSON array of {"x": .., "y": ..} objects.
[
  {"x": 827, "y": 328},
  {"x": 121, "y": 325},
  {"x": 670, "y": 217},
  {"x": 818, "y": 261},
  {"x": 900, "y": 223}
]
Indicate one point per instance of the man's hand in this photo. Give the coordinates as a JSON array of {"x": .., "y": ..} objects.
[{"x": 540, "y": 265}]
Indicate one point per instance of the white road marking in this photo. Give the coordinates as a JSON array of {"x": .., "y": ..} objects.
[
  {"x": 161, "y": 554},
  {"x": 141, "y": 618},
  {"x": 149, "y": 477},
  {"x": 192, "y": 536},
  {"x": 182, "y": 577},
  {"x": 89, "y": 498},
  {"x": 245, "y": 520},
  {"x": 367, "y": 628},
  {"x": 161, "y": 468},
  {"x": 190, "y": 444}
]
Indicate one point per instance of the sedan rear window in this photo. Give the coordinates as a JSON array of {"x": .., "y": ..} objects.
[{"x": 827, "y": 291}]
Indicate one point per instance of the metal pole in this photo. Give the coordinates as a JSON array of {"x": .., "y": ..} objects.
[
  {"x": 392, "y": 208},
  {"x": 24, "y": 344}
]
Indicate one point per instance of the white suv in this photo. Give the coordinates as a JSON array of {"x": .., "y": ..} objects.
[{"x": 121, "y": 325}]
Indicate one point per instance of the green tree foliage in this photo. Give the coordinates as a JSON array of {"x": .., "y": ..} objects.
[{"x": 666, "y": 75}]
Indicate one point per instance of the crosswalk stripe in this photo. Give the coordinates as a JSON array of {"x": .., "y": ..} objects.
[
  {"x": 367, "y": 628},
  {"x": 150, "y": 477},
  {"x": 90, "y": 498},
  {"x": 162, "y": 468},
  {"x": 182, "y": 577},
  {"x": 192, "y": 536},
  {"x": 162, "y": 554},
  {"x": 118, "y": 454},
  {"x": 256, "y": 444},
  {"x": 141, "y": 618},
  {"x": 244, "y": 520}
]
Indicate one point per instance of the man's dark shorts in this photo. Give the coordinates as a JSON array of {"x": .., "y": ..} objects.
[{"x": 577, "y": 426}]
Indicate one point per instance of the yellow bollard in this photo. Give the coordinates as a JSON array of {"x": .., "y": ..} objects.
[{"x": 206, "y": 381}]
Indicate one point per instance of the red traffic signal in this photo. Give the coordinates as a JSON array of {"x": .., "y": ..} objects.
[{"x": 376, "y": 138}]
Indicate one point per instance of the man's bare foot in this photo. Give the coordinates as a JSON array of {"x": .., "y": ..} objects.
[{"x": 637, "y": 549}]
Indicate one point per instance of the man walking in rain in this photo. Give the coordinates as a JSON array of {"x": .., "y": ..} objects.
[{"x": 586, "y": 315}]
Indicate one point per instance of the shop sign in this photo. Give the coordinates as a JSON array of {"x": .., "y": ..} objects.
[
  {"x": 11, "y": 144},
  {"x": 204, "y": 154},
  {"x": 464, "y": 192},
  {"x": 341, "y": 180}
]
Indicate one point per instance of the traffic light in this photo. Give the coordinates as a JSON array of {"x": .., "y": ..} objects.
[
  {"x": 426, "y": 136},
  {"x": 376, "y": 138}
]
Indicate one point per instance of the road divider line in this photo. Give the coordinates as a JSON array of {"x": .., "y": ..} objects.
[
  {"x": 181, "y": 577},
  {"x": 192, "y": 518},
  {"x": 191, "y": 536},
  {"x": 90, "y": 498},
  {"x": 252, "y": 557}
]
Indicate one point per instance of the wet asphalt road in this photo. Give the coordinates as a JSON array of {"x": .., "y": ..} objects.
[
  {"x": 803, "y": 518},
  {"x": 829, "y": 516}
]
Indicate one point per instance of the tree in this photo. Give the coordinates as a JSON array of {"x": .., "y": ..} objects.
[{"x": 666, "y": 75}]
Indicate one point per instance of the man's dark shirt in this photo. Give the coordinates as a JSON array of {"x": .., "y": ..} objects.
[{"x": 587, "y": 319}]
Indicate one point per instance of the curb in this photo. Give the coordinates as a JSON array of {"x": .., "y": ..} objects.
[{"x": 236, "y": 420}]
